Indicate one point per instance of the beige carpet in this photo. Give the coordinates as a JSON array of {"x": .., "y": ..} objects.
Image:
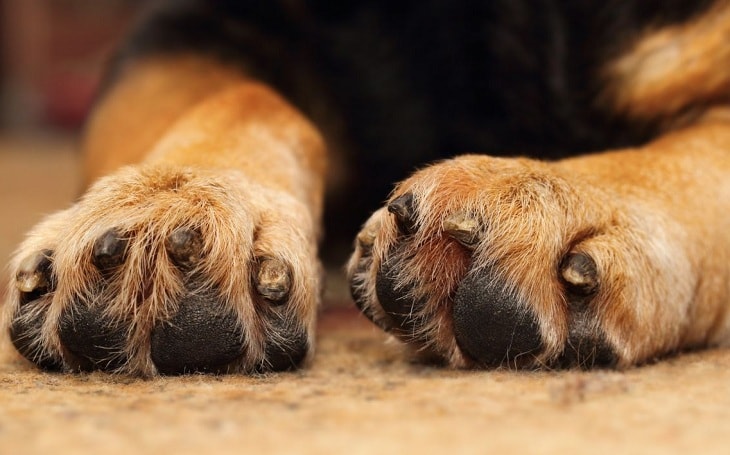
[{"x": 358, "y": 395}]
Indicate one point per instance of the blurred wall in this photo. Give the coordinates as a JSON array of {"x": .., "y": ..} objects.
[{"x": 53, "y": 54}]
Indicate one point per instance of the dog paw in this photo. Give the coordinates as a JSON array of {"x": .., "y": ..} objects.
[
  {"x": 168, "y": 271},
  {"x": 487, "y": 262}
]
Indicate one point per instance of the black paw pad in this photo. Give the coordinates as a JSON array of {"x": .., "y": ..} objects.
[
  {"x": 396, "y": 299},
  {"x": 587, "y": 346},
  {"x": 491, "y": 325},
  {"x": 360, "y": 297},
  {"x": 362, "y": 304},
  {"x": 109, "y": 250},
  {"x": 25, "y": 332},
  {"x": 95, "y": 341},
  {"x": 286, "y": 345},
  {"x": 201, "y": 337}
]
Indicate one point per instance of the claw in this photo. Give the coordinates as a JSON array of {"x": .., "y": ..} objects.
[
  {"x": 184, "y": 246},
  {"x": 579, "y": 272},
  {"x": 34, "y": 272},
  {"x": 109, "y": 250},
  {"x": 463, "y": 229},
  {"x": 273, "y": 280},
  {"x": 366, "y": 239},
  {"x": 404, "y": 210}
]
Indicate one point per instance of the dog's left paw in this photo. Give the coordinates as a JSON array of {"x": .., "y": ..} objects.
[
  {"x": 487, "y": 262},
  {"x": 168, "y": 270}
]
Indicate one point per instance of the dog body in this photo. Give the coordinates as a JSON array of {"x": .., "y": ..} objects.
[{"x": 222, "y": 123}]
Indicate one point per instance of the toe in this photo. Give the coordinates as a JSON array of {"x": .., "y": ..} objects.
[
  {"x": 273, "y": 280},
  {"x": 578, "y": 271},
  {"x": 34, "y": 275},
  {"x": 25, "y": 334},
  {"x": 286, "y": 345},
  {"x": 35, "y": 283},
  {"x": 358, "y": 269},
  {"x": 185, "y": 247},
  {"x": 397, "y": 299},
  {"x": 404, "y": 209},
  {"x": 586, "y": 348},
  {"x": 93, "y": 339},
  {"x": 202, "y": 336},
  {"x": 491, "y": 324},
  {"x": 109, "y": 250},
  {"x": 363, "y": 302},
  {"x": 366, "y": 240},
  {"x": 462, "y": 228}
]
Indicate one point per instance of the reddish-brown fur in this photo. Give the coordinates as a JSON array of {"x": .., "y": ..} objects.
[{"x": 244, "y": 167}]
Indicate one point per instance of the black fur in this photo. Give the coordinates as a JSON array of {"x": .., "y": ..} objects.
[{"x": 409, "y": 82}]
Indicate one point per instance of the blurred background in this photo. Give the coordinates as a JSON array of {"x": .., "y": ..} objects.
[
  {"x": 52, "y": 56},
  {"x": 53, "y": 53}
]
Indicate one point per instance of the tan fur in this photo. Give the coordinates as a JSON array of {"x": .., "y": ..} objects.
[
  {"x": 214, "y": 151},
  {"x": 149, "y": 96},
  {"x": 673, "y": 70},
  {"x": 654, "y": 220}
]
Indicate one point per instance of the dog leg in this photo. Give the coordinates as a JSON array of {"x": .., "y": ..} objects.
[
  {"x": 200, "y": 255},
  {"x": 609, "y": 259}
]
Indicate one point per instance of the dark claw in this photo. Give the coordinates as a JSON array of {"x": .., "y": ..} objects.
[
  {"x": 34, "y": 274},
  {"x": 94, "y": 341},
  {"x": 580, "y": 273},
  {"x": 185, "y": 247},
  {"x": 273, "y": 280},
  {"x": 109, "y": 250},
  {"x": 403, "y": 207}
]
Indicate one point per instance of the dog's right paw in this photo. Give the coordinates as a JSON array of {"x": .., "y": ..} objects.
[
  {"x": 487, "y": 262},
  {"x": 167, "y": 271}
]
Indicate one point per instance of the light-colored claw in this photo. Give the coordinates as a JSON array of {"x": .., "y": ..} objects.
[
  {"x": 29, "y": 283},
  {"x": 366, "y": 236},
  {"x": 463, "y": 228},
  {"x": 273, "y": 280},
  {"x": 579, "y": 271},
  {"x": 33, "y": 272},
  {"x": 366, "y": 239},
  {"x": 576, "y": 278}
]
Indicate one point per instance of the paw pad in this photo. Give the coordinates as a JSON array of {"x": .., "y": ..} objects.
[
  {"x": 190, "y": 277},
  {"x": 202, "y": 336}
]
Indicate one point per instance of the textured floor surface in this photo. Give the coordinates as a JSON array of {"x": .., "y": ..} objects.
[{"x": 357, "y": 396}]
